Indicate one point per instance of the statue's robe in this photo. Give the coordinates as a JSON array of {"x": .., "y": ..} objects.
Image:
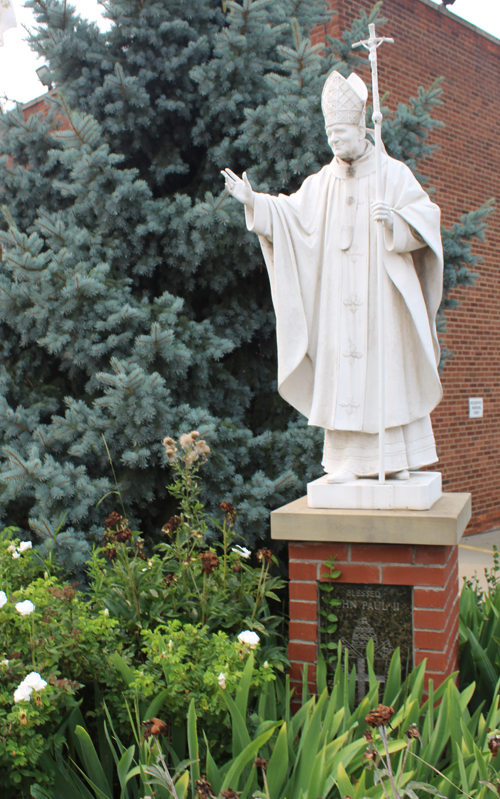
[{"x": 319, "y": 245}]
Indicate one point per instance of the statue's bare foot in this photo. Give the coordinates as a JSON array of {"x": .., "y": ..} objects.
[
  {"x": 341, "y": 476},
  {"x": 404, "y": 474}
]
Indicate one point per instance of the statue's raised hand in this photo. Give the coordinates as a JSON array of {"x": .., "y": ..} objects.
[{"x": 239, "y": 188}]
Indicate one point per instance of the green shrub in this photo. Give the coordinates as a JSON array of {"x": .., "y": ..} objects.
[
  {"x": 480, "y": 635},
  {"x": 407, "y": 747},
  {"x": 163, "y": 625}
]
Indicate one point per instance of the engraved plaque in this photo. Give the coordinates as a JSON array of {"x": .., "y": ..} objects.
[{"x": 380, "y": 612}]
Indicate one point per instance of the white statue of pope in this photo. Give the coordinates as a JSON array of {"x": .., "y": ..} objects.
[{"x": 319, "y": 245}]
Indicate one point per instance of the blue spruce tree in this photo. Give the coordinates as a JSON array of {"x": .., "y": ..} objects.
[{"x": 133, "y": 303}]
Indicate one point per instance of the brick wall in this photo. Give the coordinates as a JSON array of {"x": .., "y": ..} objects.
[
  {"x": 430, "y": 43},
  {"x": 431, "y": 570}
]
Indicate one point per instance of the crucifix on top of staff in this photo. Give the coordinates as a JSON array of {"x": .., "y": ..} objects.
[{"x": 372, "y": 44}]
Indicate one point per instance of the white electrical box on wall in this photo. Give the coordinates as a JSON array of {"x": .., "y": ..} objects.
[{"x": 475, "y": 407}]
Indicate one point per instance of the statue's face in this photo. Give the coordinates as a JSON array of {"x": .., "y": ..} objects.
[{"x": 346, "y": 141}]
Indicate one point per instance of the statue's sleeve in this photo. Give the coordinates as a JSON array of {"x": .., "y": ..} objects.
[
  {"x": 259, "y": 219},
  {"x": 403, "y": 237}
]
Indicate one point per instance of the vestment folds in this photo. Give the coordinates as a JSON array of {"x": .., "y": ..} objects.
[{"x": 319, "y": 245}]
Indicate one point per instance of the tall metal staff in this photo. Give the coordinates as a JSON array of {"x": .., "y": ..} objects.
[{"x": 371, "y": 45}]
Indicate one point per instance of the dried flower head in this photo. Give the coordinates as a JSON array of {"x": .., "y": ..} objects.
[
  {"x": 228, "y": 510},
  {"x": 265, "y": 554},
  {"x": 202, "y": 447},
  {"x": 203, "y": 788},
  {"x": 66, "y": 593},
  {"x": 494, "y": 744},
  {"x": 412, "y": 731},
  {"x": 122, "y": 535},
  {"x": 110, "y": 553},
  {"x": 170, "y": 448},
  {"x": 112, "y": 520},
  {"x": 367, "y": 735},
  {"x": 194, "y": 434},
  {"x": 23, "y": 718},
  {"x": 169, "y": 579},
  {"x": 230, "y": 794},
  {"x": 172, "y": 525},
  {"x": 237, "y": 567},
  {"x": 209, "y": 562},
  {"x": 380, "y": 716},
  {"x": 260, "y": 762},
  {"x": 154, "y": 727}
]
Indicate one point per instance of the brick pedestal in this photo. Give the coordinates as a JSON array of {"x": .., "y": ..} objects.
[{"x": 413, "y": 548}]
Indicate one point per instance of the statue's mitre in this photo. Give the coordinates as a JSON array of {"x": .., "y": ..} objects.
[{"x": 344, "y": 101}]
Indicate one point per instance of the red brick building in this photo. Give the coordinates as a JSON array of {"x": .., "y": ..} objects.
[{"x": 431, "y": 42}]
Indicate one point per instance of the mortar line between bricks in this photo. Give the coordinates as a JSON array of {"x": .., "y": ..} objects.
[
  {"x": 300, "y": 641},
  {"x": 303, "y": 601}
]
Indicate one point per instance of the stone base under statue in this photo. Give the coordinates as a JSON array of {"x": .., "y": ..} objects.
[
  {"x": 419, "y": 492},
  {"x": 382, "y": 555}
]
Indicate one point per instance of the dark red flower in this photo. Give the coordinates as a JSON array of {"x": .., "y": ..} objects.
[
  {"x": 209, "y": 562},
  {"x": 154, "y": 727},
  {"x": 228, "y": 510},
  {"x": 112, "y": 520},
  {"x": 171, "y": 526},
  {"x": 265, "y": 554},
  {"x": 380, "y": 716},
  {"x": 203, "y": 788}
]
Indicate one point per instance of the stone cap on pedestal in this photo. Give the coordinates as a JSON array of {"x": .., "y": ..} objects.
[{"x": 442, "y": 525}]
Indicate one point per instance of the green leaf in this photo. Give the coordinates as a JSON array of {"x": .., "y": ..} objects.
[
  {"x": 464, "y": 784},
  {"x": 249, "y": 753},
  {"x": 393, "y": 682},
  {"x": 155, "y": 706},
  {"x": 123, "y": 767},
  {"x": 38, "y": 792},
  {"x": 483, "y": 662},
  {"x": 92, "y": 763},
  {"x": 182, "y": 785},
  {"x": 346, "y": 787},
  {"x": 126, "y": 672},
  {"x": 241, "y": 737},
  {"x": 278, "y": 765},
  {"x": 321, "y": 678},
  {"x": 241, "y": 698},
  {"x": 212, "y": 772},
  {"x": 193, "y": 748}
]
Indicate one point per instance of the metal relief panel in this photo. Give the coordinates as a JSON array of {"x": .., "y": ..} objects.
[{"x": 383, "y": 613}]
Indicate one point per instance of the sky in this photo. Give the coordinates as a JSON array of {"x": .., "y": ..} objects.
[{"x": 19, "y": 81}]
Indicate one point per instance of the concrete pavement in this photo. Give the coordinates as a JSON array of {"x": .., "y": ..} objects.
[{"x": 475, "y": 552}]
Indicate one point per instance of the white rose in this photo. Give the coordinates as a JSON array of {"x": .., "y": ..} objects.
[
  {"x": 12, "y": 548},
  {"x": 34, "y": 681},
  {"x": 22, "y": 693},
  {"x": 3, "y": 598},
  {"x": 16, "y": 555},
  {"x": 106, "y": 612},
  {"x": 249, "y": 638},
  {"x": 243, "y": 551},
  {"x": 266, "y": 664},
  {"x": 24, "y": 545},
  {"x": 4, "y": 662},
  {"x": 221, "y": 679},
  {"x": 25, "y": 608}
]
